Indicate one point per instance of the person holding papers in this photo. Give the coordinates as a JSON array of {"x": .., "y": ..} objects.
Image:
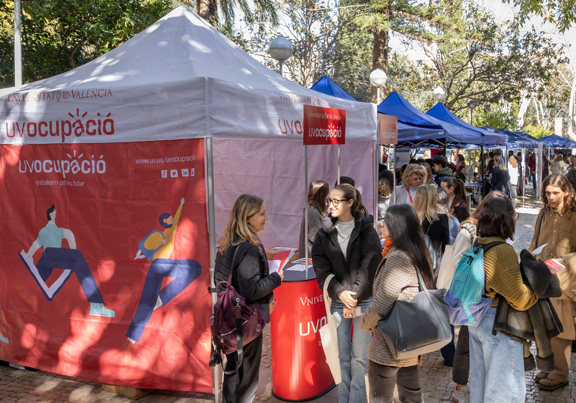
[
  {"x": 242, "y": 254},
  {"x": 348, "y": 247},
  {"x": 555, "y": 235}
]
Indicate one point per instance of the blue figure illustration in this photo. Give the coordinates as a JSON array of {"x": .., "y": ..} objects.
[
  {"x": 158, "y": 247},
  {"x": 3, "y": 339},
  {"x": 69, "y": 259}
]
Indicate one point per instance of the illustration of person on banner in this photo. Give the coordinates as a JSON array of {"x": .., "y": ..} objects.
[
  {"x": 68, "y": 259},
  {"x": 157, "y": 246}
]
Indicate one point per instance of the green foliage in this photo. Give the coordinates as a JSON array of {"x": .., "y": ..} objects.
[
  {"x": 58, "y": 35},
  {"x": 538, "y": 131},
  {"x": 561, "y": 13}
]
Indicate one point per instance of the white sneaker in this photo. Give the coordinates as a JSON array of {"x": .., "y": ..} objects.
[{"x": 459, "y": 396}]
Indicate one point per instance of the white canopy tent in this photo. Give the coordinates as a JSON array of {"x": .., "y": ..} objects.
[{"x": 182, "y": 79}]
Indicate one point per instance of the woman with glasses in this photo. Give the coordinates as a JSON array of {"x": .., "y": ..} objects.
[
  {"x": 556, "y": 229},
  {"x": 348, "y": 247},
  {"x": 317, "y": 195}
]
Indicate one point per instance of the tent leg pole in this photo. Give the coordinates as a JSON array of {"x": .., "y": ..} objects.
[
  {"x": 392, "y": 162},
  {"x": 482, "y": 170},
  {"x": 376, "y": 169},
  {"x": 306, "y": 208},
  {"x": 216, "y": 371},
  {"x": 338, "y": 163},
  {"x": 522, "y": 174}
]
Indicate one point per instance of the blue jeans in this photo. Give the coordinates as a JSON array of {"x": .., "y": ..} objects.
[
  {"x": 353, "y": 349},
  {"x": 496, "y": 365}
]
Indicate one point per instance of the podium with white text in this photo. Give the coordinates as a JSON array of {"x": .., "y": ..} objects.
[{"x": 299, "y": 369}]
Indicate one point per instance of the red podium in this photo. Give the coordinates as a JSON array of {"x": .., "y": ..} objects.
[{"x": 299, "y": 369}]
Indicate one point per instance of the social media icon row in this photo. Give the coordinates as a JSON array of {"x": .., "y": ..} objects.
[{"x": 173, "y": 173}]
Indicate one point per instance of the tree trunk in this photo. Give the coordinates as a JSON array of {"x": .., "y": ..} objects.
[
  {"x": 379, "y": 59},
  {"x": 208, "y": 9}
]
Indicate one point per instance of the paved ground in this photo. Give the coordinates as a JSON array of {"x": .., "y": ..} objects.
[{"x": 37, "y": 386}]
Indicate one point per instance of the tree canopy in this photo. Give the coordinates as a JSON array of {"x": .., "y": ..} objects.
[
  {"x": 561, "y": 13},
  {"x": 58, "y": 35}
]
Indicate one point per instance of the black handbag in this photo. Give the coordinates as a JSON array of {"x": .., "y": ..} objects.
[{"x": 417, "y": 327}]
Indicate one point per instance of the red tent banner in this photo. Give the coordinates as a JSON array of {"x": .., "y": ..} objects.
[
  {"x": 324, "y": 125},
  {"x": 104, "y": 259}
]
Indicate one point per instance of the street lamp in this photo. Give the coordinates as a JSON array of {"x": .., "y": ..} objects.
[
  {"x": 378, "y": 79},
  {"x": 281, "y": 50},
  {"x": 439, "y": 94},
  {"x": 486, "y": 107},
  {"x": 472, "y": 103}
]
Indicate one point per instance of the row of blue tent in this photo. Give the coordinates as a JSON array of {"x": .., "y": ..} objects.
[{"x": 441, "y": 128}]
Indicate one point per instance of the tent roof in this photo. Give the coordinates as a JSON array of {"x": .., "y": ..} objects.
[
  {"x": 439, "y": 111},
  {"x": 179, "y": 78},
  {"x": 406, "y": 131},
  {"x": 454, "y": 135},
  {"x": 559, "y": 142},
  {"x": 327, "y": 86}
]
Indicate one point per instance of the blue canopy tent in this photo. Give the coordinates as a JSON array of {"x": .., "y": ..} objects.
[
  {"x": 405, "y": 130},
  {"x": 454, "y": 135},
  {"x": 327, "y": 86},
  {"x": 439, "y": 111},
  {"x": 530, "y": 138},
  {"x": 559, "y": 142},
  {"x": 520, "y": 140}
]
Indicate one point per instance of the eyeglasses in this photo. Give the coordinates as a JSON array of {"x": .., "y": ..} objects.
[{"x": 336, "y": 202}]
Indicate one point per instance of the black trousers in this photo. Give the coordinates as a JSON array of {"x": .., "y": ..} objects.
[
  {"x": 383, "y": 378},
  {"x": 461, "y": 367},
  {"x": 241, "y": 387}
]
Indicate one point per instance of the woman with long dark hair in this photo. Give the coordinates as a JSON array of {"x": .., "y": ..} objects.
[
  {"x": 317, "y": 209},
  {"x": 396, "y": 279},
  {"x": 556, "y": 228},
  {"x": 456, "y": 197},
  {"x": 242, "y": 254},
  {"x": 348, "y": 247}
]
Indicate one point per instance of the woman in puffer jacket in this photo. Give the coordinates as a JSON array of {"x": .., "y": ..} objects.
[{"x": 348, "y": 246}]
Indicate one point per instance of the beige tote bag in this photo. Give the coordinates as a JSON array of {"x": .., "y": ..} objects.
[
  {"x": 447, "y": 269},
  {"x": 329, "y": 337}
]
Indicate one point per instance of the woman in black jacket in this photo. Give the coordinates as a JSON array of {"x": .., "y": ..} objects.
[
  {"x": 500, "y": 177},
  {"x": 241, "y": 253},
  {"x": 348, "y": 246}
]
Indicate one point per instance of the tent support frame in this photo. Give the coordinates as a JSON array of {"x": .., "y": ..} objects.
[{"x": 216, "y": 371}]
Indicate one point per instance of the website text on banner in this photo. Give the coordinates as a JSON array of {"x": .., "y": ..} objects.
[
  {"x": 104, "y": 262},
  {"x": 324, "y": 125}
]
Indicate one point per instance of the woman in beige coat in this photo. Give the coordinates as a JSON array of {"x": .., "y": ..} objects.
[
  {"x": 556, "y": 229},
  {"x": 396, "y": 279}
]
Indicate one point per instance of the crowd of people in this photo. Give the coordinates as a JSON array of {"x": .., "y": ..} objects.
[{"x": 422, "y": 214}]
